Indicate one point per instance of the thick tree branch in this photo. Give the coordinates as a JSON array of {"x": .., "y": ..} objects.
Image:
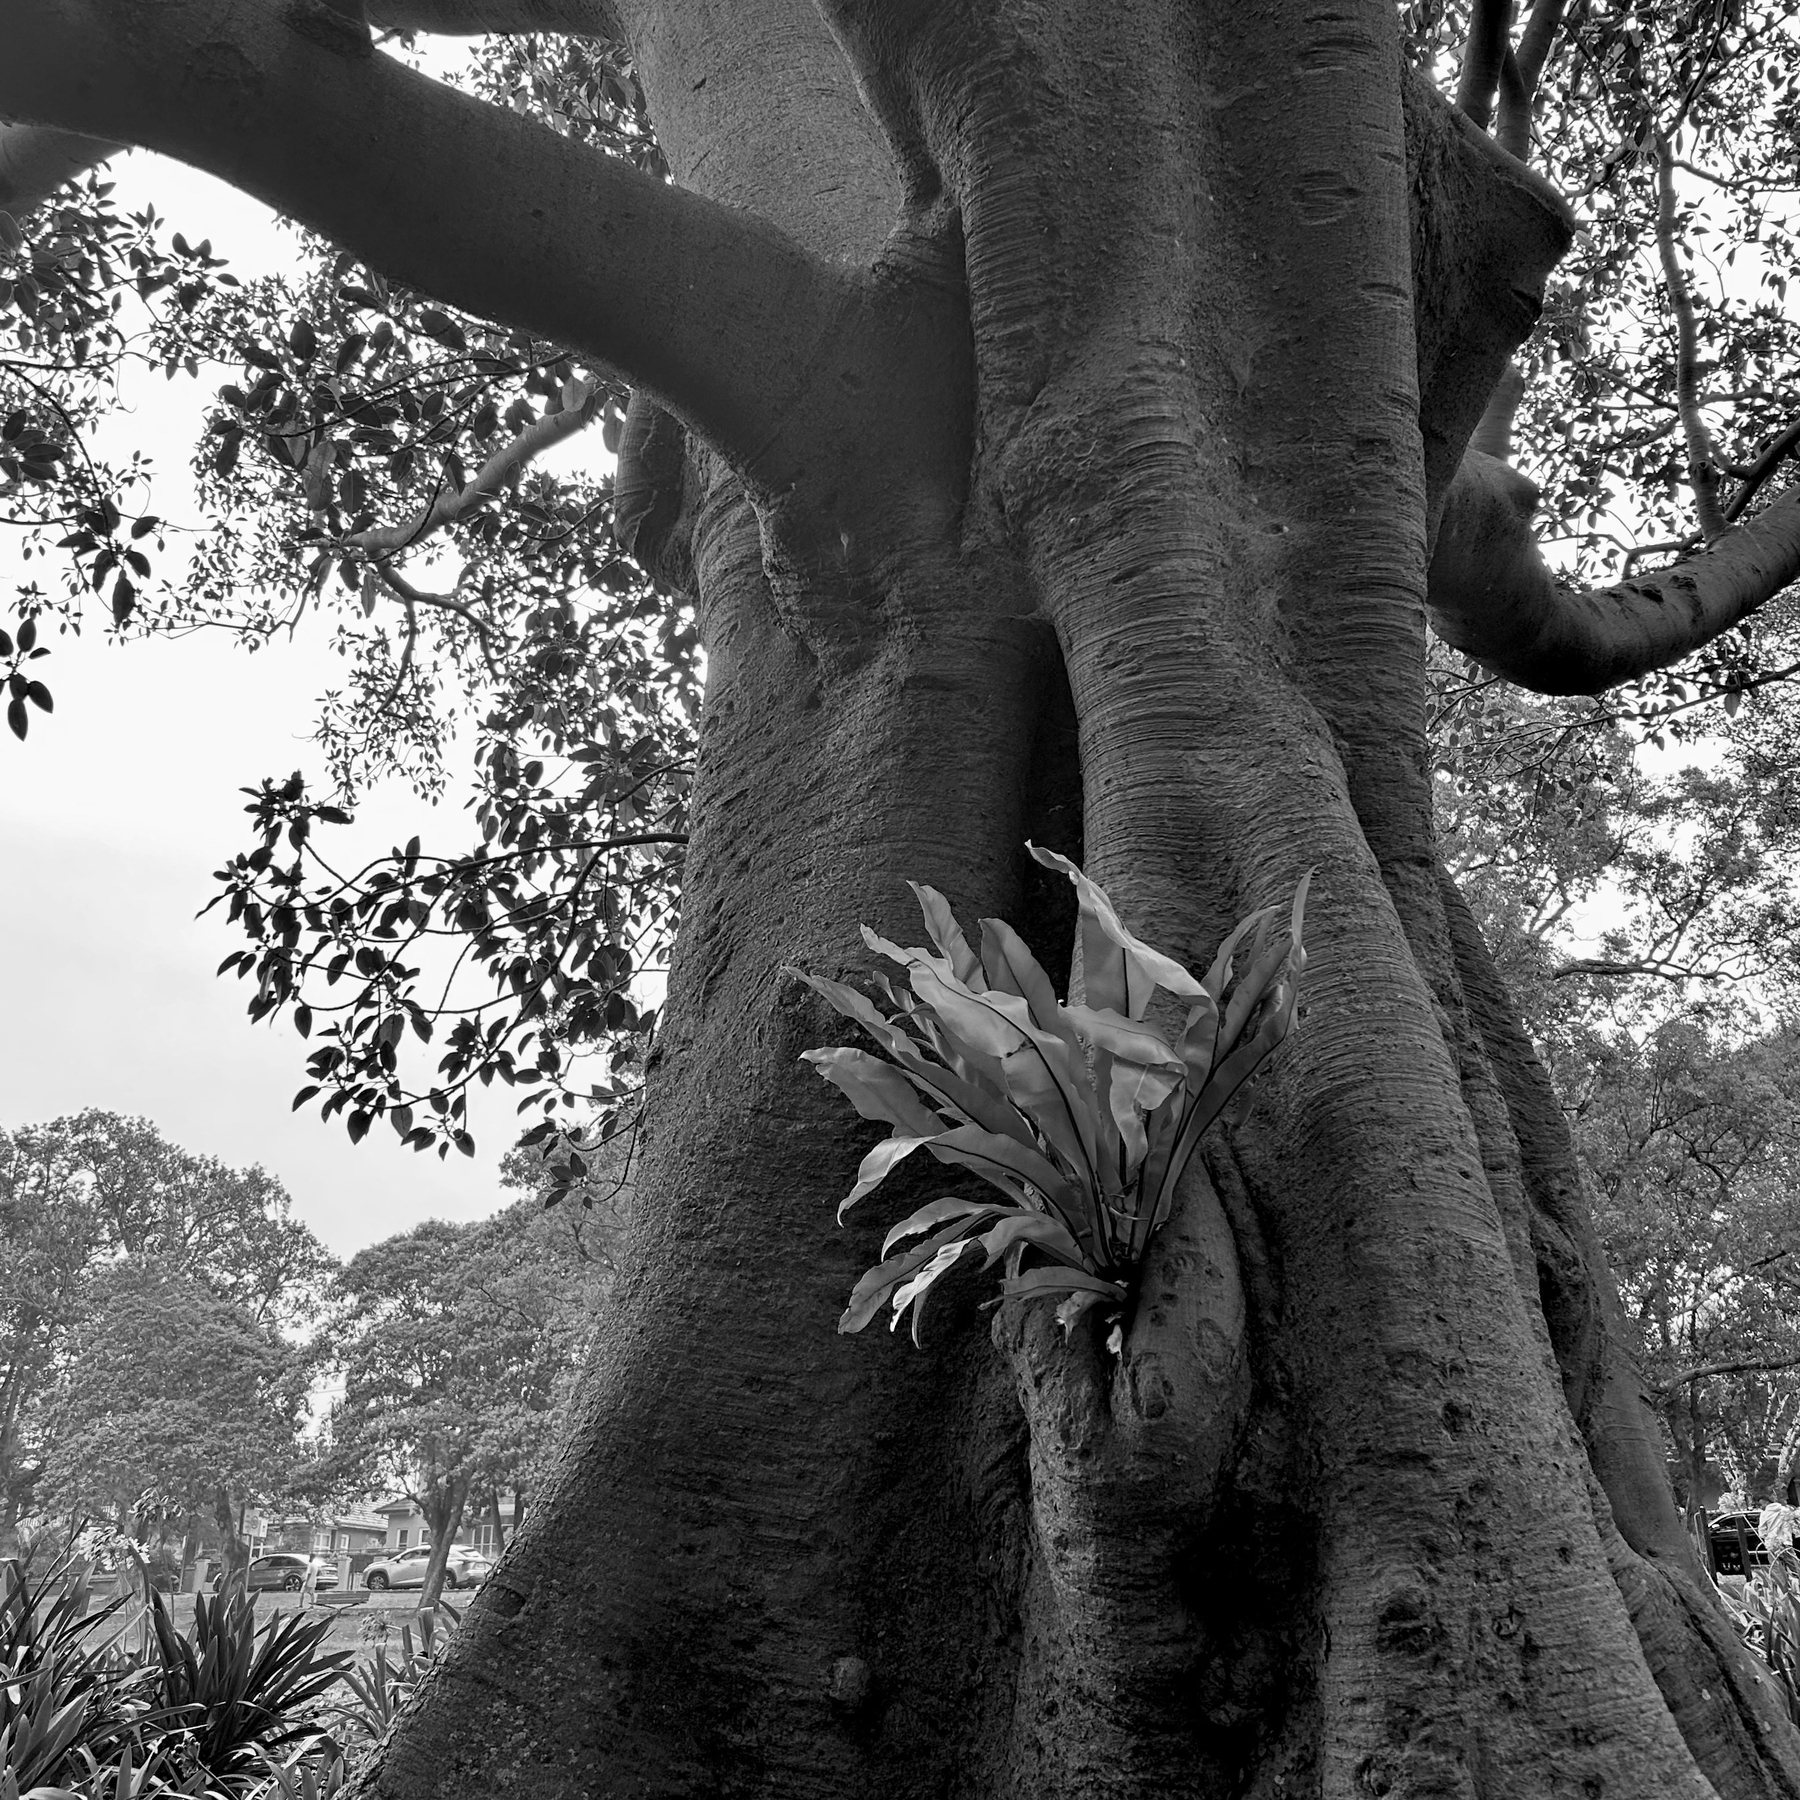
[
  {"x": 36, "y": 160},
  {"x": 1703, "y": 469},
  {"x": 1519, "y": 79},
  {"x": 1756, "y": 477},
  {"x": 473, "y": 18},
  {"x": 1492, "y": 596},
  {"x": 724, "y": 320},
  {"x": 1493, "y": 436},
  {"x": 1486, "y": 233},
  {"x": 1490, "y": 30}
]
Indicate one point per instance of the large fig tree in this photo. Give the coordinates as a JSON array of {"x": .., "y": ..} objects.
[{"x": 1060, "y": 419}]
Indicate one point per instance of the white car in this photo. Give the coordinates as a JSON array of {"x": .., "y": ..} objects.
[{"x": 406, "y": 1568}]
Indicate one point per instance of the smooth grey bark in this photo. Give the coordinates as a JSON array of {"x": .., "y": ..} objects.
[
  {"x": 1493, "y": 596},
  {"x": 35, "y": 160},
  {"x": 1069, "y": 470}
]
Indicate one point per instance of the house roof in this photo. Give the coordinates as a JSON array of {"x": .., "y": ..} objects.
[{"x": 357, "y": 1521}]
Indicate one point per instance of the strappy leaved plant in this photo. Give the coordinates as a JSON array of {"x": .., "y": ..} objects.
[{"x": 1083, "y": 1117}]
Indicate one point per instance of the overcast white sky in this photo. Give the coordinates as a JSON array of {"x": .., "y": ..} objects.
[{"x": 113, "y": 815}]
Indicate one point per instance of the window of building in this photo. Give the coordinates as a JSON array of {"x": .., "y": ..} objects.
[{"x": 400, "y": 1542}]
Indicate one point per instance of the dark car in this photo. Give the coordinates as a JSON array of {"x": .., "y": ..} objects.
[
  {"x": 287, "y": 1569},
  {"x": 1734, "y": 1540}
]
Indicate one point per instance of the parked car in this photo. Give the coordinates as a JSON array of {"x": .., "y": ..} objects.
[
  {"x": 287, "y": 1569},
  {"x": 1732, "y": 1534},
  {"x": 406, "y": 1568}
]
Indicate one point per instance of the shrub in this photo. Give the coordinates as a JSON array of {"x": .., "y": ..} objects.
[
  {"x": 231, "y": 1695},
  {"x": 61, "y": 1691},
  {"x": 228, "y": 1712}
]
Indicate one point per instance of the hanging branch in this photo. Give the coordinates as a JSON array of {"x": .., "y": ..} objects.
[{"x": 1703, "y": 470}]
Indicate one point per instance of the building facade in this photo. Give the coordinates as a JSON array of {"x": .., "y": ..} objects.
[{"x": 406, "y": 1527}]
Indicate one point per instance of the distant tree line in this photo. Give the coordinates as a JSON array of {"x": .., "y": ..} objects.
[
  {"x": 177, "y": 1350},
  {"x": 1645, "y": 919}
]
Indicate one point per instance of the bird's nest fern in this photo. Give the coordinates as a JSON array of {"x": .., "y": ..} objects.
[{"x": 1082, "y": 1117}]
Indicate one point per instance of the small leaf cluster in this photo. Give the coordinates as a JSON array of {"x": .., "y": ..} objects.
[
  {"x": 83, "y": 290},
  {"x": 17, "y": 648},
  {"x": 583, "y": 87},
  {"x": 1082, "y": 1116},
  {"x": 554, "y": 910}
]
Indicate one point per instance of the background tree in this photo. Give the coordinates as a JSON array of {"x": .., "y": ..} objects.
[
  {"x": 1060, "y": 423},
  {"x": 1692, "y": 1149},
  {"x": 1644, "y": 922},
  {"x": 173, "y": 1404},
  {"x": 93, "y": 1201},
  {"x": 453, "y": 1345}
]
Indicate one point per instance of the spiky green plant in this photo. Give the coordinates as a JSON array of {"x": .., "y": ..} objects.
[
  {"x": 380, "y": 1687},
  {"x": 233, "y": 1694},
  {"x": 62, "y": 1690},
  {"x": 1083, "y": 1117}
]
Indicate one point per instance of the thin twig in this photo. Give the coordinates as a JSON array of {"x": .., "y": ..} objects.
[
  {"x": 406, "y": 656},
  {"x": 1702, "y": 468},
  {"x": 385, "y": 573}
]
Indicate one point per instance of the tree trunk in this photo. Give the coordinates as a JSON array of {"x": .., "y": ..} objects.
[
  {"x": 1094, "y": 505},
  {"x": 230, "y": 1524},
  {"x": 443, "y": 1508},
  {"x": 1369, "y": 1503}
]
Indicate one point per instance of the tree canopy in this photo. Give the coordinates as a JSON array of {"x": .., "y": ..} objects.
[
  {"x": 144, "y": 1293},
  {"x": 455, "y": 1347}
]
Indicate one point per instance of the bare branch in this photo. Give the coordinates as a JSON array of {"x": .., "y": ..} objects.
[
  {"x": 1703, "y": 469},
  {"x": 1731, "y": 1365},
  {"x": 1492, "y": 596},
  {"x": 500, "y": 468},
  {"x": 35, "y": 160},
  {"x": 726, "y": 321},
  {"x": 1665, "y": 971}
]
